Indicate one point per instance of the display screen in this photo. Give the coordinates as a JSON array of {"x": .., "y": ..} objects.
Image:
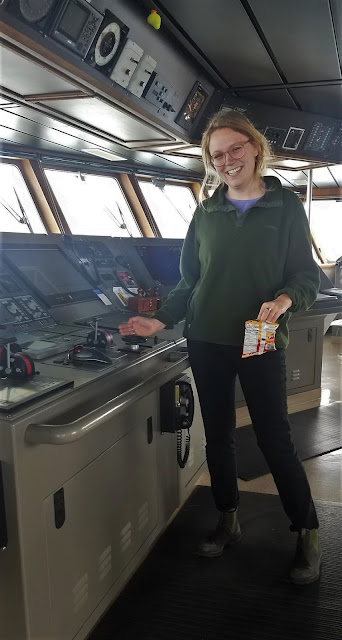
[
  {"x": 73, "y": 21},
  {"x": 194, "y": 105},
  {"x": 162, "y": 262},
  {"x": 51, "y": 274}
]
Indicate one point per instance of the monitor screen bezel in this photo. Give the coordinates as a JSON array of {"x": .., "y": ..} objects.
[{"x": 55, "y": 300}]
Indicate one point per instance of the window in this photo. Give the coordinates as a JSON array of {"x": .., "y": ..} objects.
[
  {"x": 326, "y": 226},
  {"x": 92, "y": 204},
  {"x": 18, "y": 212},
  {"x": 172, "y": 206}
]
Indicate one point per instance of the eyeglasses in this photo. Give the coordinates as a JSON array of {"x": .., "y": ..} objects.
[{"x": 235, "y": 151}]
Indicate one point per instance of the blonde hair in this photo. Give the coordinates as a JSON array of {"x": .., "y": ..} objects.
[{"x": 227, "y": 118}]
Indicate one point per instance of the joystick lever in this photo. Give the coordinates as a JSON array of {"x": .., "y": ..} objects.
[
  {"x": 99, "y": 338},
  {"x": 15, "y": 364}
]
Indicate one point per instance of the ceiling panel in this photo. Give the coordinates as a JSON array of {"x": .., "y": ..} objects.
[
  {"x": 278, "y": 97},
  {"x": 38, "y": 131},
  {"x": 4, "y": 102},
  {"x": 224, "y": 33},
  {"x": 189, "y": 151},
  {"x": 186, "y": 163},
  {"x": 27, "y": 78},
  {"x": 107, "y": 118},
  {"x": 46, "y": 120},
  {"x": 326, "y": 100},
  {"x": 301, "y": 37},
  {"x": 21, "y": 131},
  {"x": 25, "y": 139}
]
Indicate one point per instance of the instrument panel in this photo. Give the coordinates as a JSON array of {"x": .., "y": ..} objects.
[{"x": 61, "y": 301}]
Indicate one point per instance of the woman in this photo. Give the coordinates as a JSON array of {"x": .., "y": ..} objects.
[{"x": 247, "y": 255}]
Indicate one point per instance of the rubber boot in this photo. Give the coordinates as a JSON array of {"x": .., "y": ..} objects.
[
  {"x": 227, "y": 532},
  {"x": 307, "y": 562}
]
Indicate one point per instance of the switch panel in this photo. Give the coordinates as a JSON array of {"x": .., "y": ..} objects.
[
  {"x": 142, "y": 74},
  {"x": 160, "y": 93},
  {"x": 319, "y": 137},
  {"x": 293, "y": 138},
  {"x": 127, "y": 63},
  {"x": 275, "y": 135}
]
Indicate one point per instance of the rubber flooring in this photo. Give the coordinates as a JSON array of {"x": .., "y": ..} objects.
[
  {"x": 315, "y": 432},
  {"x": 244, "y": 594}
]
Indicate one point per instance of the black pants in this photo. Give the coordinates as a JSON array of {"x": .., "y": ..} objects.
[{"x": 263, "y": 381}]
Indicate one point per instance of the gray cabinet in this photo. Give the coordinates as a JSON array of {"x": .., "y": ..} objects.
[
  {"x": 300, "y": 358},
  {"x": 110, "y": 510}
]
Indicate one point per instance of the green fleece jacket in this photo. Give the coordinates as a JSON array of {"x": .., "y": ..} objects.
[{"x": 232, "y": 262}]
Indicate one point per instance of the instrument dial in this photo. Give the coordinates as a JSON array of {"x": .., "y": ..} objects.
[
  {"x": 35, "y": 10},
  {"x": 107, "y": 44}
]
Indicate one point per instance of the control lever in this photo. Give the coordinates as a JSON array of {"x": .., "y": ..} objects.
[
  {"x": 15, "y": 364},
  {"x": 99, "y": 338}
]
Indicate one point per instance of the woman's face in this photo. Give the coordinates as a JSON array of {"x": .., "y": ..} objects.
[{"x": 235, "y": 172}]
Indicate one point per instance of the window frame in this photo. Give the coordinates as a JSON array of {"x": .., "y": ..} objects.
[
  {"x": 193, "y": 186},
  {"x": 83, "y": 169}
]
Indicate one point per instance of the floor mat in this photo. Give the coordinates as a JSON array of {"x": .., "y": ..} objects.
[
  {"x": 315, "y": 432},
  {"x": 242, "y": 595}
]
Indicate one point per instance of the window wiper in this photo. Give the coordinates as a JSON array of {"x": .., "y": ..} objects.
[
  {"x": 122, "y": 224},
  {"x": 22, "y": 219},
  {"x": 23, "y": 214},
  {"x": 17, "y": 217}
]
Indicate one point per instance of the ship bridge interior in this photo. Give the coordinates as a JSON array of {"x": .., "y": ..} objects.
[{"x": 104, "y": 483}]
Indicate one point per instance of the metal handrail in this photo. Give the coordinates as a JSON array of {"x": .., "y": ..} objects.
[{"x": 82, "y": 426}]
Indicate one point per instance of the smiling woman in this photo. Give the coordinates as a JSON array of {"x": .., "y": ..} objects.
[{"x": 229, "y": 235}]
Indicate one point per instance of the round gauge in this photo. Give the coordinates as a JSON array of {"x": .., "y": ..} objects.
[
  {"x": 107, "y": 44},
  {"x": 35, "y": 10}
]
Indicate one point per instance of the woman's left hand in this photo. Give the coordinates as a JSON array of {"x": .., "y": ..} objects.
[{"x": 271, "y": 310}]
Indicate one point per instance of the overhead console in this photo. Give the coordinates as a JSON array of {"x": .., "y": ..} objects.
[
  {"x": 138, "y": 67},
  {"x": 290, "y": 133},
  {"x": 120, "y": 51}
]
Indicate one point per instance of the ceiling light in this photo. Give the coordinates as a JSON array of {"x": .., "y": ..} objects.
[
  {"x": 301, "y": 182},
  {"x": 291, "y": 164},
  {"x": 103, "y": 153}
]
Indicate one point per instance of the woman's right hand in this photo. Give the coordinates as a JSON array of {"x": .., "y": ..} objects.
[{"x": 140, "y": 326}]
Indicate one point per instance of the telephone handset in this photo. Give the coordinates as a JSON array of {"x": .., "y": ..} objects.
[{"x": 177, "y": 406}]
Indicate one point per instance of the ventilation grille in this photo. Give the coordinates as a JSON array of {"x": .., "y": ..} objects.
[
  {"x": 105, "y": 563},
  {"x": 126, "y": 537},
  {"x": 143, "y": 516},
  {"x": 80, "y": 593},
  {"x": 191, "y": 458}
]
